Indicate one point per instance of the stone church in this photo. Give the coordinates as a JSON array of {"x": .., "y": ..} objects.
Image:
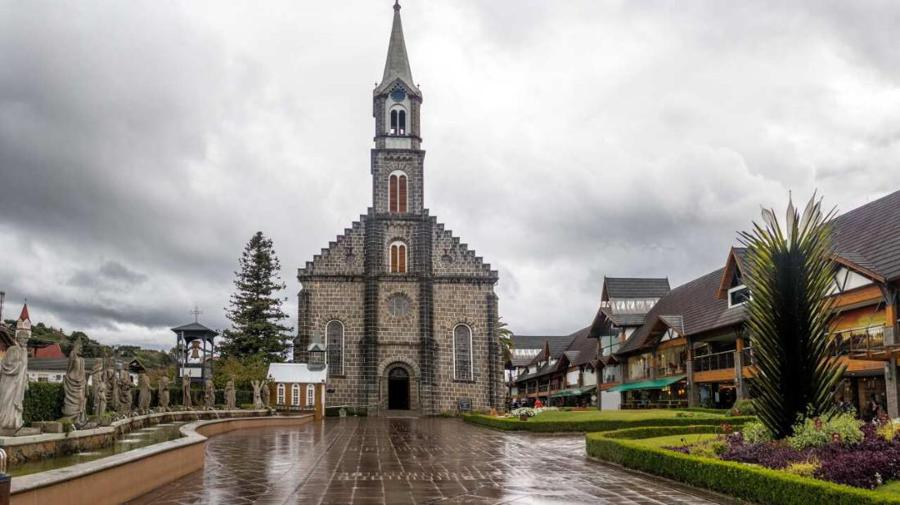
[{"x": 406, "y": 311}]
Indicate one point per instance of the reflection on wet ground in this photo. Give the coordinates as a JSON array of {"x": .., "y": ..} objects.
[
  {"x": 134, "y": 440},
  {"x": 407, "y": 461}
]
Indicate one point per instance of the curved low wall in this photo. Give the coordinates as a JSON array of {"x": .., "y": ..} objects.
[
  {"x": 48, "y": 445},
  {"x": 122, "y": 477}
]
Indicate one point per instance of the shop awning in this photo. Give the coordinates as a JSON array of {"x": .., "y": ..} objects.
[
  {"x": 573, "y": 392},
  {"x": 652, "y": 384}
]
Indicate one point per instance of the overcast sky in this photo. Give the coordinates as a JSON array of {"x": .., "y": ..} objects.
[{"x": 143, "y": 143}]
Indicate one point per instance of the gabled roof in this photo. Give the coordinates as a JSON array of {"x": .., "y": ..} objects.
[
  {"x": 556, "y": 344},
  {"x": 734, "y": 263},
  {"x": 24, "y": 315},
  {"x": 583, "y": 349},
  {"x": 634, "y": 287},
  {"x": 868, "y": 237},
  {"x": 296, "y": 373},
  {"x": 696, "y": 304},
  {"x": 195, "y": 329}
]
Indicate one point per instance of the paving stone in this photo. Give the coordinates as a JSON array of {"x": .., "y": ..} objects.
[{"x": 366, "y": 461}]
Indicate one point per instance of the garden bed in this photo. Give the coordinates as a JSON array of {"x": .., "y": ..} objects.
[
  {"x": 603, "y": 420},
  {"x": 635, "y": 448}
]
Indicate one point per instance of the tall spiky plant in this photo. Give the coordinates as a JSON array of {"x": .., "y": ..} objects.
[{"x": 790, "y": 315}]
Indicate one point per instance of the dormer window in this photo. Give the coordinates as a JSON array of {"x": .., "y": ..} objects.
[
  {"x": 398, "y": 120},
  {"x": 738, "y": 295}
]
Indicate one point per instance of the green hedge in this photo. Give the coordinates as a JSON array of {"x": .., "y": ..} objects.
[
  {"x": 747, "y": 482},
  {"x": 43, "y": 402},
  {"x": 512, "y": 424},
  {"x": 704, "y": 410}
]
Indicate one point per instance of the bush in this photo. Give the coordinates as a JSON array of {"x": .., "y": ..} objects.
[
  {"x": 537, "y": 425},
  {"x": 817, "y": 432},
  {"x": 742, "y": 408},
  {"x": 43, "y": 402},
  {"x": 750, "y": 483},
  {"x": 807, "y": 469},
  {"x": 755, "y": 433}
]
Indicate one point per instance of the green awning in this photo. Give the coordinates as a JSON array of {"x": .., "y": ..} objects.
[
  {"x": 573, "y": 392},
  {"x": 653, "y": 384}
]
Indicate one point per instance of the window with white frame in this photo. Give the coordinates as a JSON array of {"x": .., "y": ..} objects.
[
  {"x": 334, "y": 332},
  {"x": 399, "y": 257},
  {"x": 738, "y": 295},
  {"x": 398, "y": 120},
  {"x": 280, "y": 399},
  {"x": 462, "y": 353},
  {"x": 295, "y": 395},
  {"x": 310, "y": 395},
  {"x": 397, "y": 192}
]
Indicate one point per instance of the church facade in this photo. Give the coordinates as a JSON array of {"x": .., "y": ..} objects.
[{"x": 406, "y": 311}]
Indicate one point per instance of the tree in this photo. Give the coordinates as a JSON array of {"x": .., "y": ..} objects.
[
  {"x": 789, "y": 275},
  {"x": 504, "y": 336},
  {"x": 255, "y": 308}
]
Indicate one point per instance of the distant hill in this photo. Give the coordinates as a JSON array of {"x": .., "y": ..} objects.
[{"x": 42, "y": 334}]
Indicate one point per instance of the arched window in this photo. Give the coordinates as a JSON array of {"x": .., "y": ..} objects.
[
  {"x": 397, "y": 192},
  {"x": 398, "y": 258},
  {"x": 280, "y": 400},
  {"x": 398, "y": 120},
  {"x": 462, "y": 353},
  {"x": 310, "y": 395},
  {"x": 334, "y": 332},
  {"x": 295, "y": 395}
]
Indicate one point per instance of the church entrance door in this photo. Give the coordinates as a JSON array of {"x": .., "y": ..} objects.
[{"x": 398, "y": 389}]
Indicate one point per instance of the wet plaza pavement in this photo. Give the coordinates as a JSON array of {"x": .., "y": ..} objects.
[{"x": 407, "y": 461}]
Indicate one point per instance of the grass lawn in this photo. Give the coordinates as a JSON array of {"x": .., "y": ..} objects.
[
  {"x": 676, "y": 440},
  {"x": 603, "y": 420},
  {"x": 890, "y": 489},
  {"x": 617, "y": 415}
]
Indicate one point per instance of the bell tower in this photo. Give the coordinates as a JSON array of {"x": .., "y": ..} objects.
[{"x": 397, "y": 159}]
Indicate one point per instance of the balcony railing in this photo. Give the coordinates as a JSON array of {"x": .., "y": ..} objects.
[
  {"x": 670, "y": 369},
  {"x": 715, "y": 361},
  {"x": 858, "y": 340}
]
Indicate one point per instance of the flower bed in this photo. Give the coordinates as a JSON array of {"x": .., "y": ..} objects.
[
  {"x": 754, "y": 483},
  {"x": 841, "y": 450}
]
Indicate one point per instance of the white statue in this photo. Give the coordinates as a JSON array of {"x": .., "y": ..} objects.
[
  {"x": 14, "y": 379},
  {"x": 258, "y": 394},
  {"x": 230, "y": 395},
  {"x": 74, "y": 384},
  {"x": 162, "y": 397}
]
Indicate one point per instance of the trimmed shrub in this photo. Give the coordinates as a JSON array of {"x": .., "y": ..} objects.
[
  {"x": 43, "y": 402},
  {"x": 742, "y": 408},
  {"x": 818, "y": 432},
  {"x": 751, "y": 483},
  {"x": 537, "y": 425}
]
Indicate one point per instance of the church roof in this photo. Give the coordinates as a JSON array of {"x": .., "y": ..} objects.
[
  {"x": 296, "y": 373},
  {"x": 24, "y": 315},
  {"x": 397, "y": 64}
]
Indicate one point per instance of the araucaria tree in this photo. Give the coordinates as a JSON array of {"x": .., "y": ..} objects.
[
  {"x": 255, "y": 312},
  {"x": 790, "y": 315}
]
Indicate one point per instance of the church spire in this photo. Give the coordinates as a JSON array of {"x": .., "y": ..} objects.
[{"x": 397, "y": 64}]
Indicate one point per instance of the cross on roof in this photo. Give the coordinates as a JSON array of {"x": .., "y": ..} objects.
[{"x": 196, "y": 312}]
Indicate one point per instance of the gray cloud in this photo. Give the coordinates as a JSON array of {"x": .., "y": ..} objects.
[{"x": 141, "y": 145}]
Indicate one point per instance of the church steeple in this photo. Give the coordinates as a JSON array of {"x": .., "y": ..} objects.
[
  {"x": 397, "y": 98},
  {"x": 397, "y": 64}
]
